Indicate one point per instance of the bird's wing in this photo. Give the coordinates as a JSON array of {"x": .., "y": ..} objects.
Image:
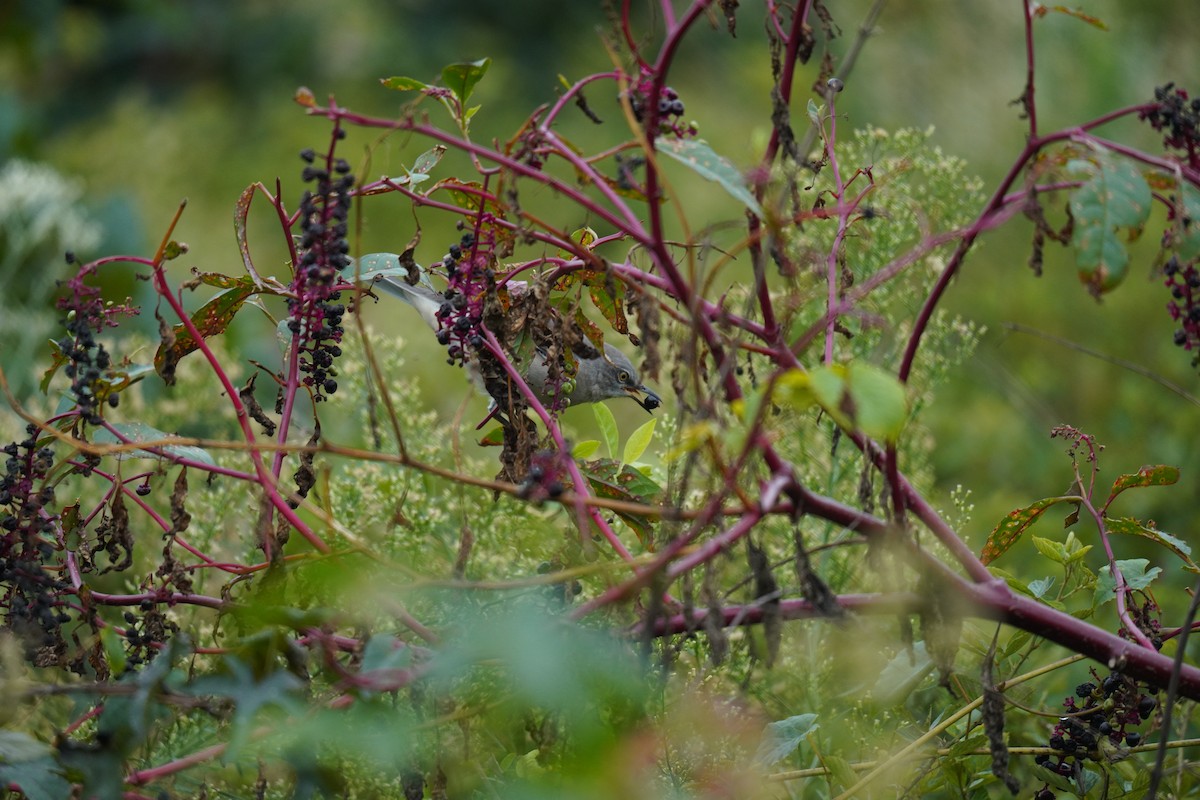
[{"x": 424, "y": 300}]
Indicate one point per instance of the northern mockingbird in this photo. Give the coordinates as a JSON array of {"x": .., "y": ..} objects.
[{"x": 601, "y": 378}]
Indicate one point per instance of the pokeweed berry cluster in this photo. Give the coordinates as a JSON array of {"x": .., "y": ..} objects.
[
  {"x": 669, "y": 106},
  {"x": 1184, "y": 306},
  {"x": 545, "y": 479},
  {"x": 145, "y": 634},
  {"x": 314, "y": 311},
  {"x": 87, "y": 360},
  {"x": 30, "y": 594},
  {"x": 1178, "y": 119},
  {"x": 1102, "y": 710},
  {"x": 470, "y": 277},
  {"x": 1146, "y": 617}
]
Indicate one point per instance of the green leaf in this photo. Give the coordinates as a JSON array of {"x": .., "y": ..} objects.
[
  {"x": 704, "y": 161},
  {"x": 402, "y": 84},
  {"x": 814, "y": 112},
  {"x": 114, "y": 650},
  {"x": 1132, "y": 527},
  {"x": 858, "y": 396},
  {"x": 608, "y": 427},
  {"x": 1187, "y": 225},
  {"x": 58, "y": 360},
  {"x": 608, "y": 297},
  {"x": 841, "y": 775},
  {"x": 1015, "y": 523},
  {"x": 241, "y": 214},
  {"x": 1156, "y": 475},
  {"x": 424, "y": 165},
  {"x": 582, "y": 677},
  {"x": 747, "y": 410},
  {"x": 373, "y": 266},
  {"x": 901, "y": 676},
  {"x": 218, "y": 280},
  {"x": 585, "y": 449},
  {"x": 493, "y": 438},
  {"x": 38, "y": 778},
  {"x": 250, "y": 694},
  {"x": 964, "y": 747},
  {"x": 585, "y": 237},
  {"x": 461, "y": 78},
  {"x": 1040, "y": 587},
  {"x": 880, "y": 404},
  {"x": 782, "y": 738},
  {"x": 141, "y": 432},
  {"x": 384, "y": 651},
  {"x": 1114, "y": 198},
  {"x": 128, "y": 720},
  {"x": 1136, "y": 575},
  {"x": 1051, "y": 549},
  {"x": 638, "y": 441}
]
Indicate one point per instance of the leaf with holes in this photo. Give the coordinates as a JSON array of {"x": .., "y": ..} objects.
[
  {"x": 1114, "y": 197},
  {"x": 241, "y": 213},
  {"x": 607, "y": 296},
  {"x": 615, "y": 481},
  {"x": 423, "y": 166}
]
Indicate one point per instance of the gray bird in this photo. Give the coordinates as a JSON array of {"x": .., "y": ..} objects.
[{"x": 596, "y": 379}]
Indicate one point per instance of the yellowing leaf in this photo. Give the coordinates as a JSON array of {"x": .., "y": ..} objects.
[
  {"x": 585, "y": 450},
  {"x": 692, "y": 438},
  {"x": 638, "y": 441},
  {"x": 858, "y": 397}
]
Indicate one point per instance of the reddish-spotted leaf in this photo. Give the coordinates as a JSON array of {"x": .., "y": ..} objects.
[
  {"x": 1014, "y": 524},
  {"x": 1152, "y": 475},
  {"x": 210, "y": 320}
]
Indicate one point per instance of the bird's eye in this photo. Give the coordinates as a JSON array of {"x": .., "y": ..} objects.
[{"x": 623, "y": 376}]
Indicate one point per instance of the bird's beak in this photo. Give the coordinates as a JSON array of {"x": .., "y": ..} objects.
[{"x": 650, "y": 402}]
